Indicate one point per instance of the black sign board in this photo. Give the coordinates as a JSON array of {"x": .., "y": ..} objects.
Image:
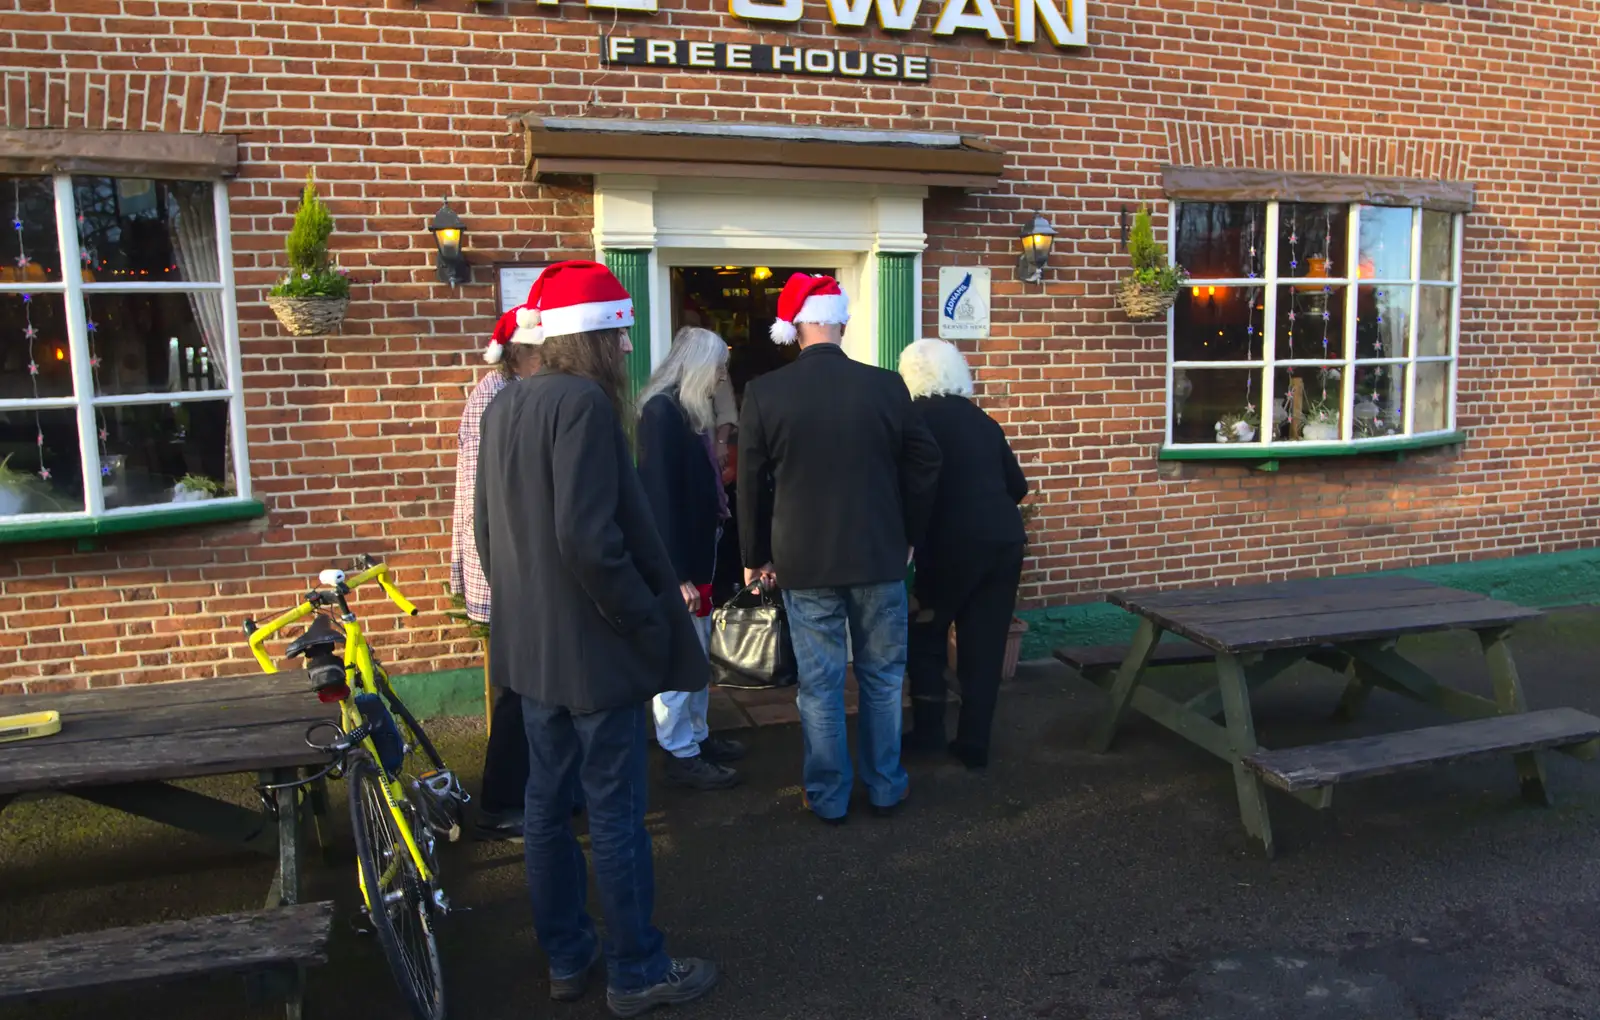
[{"x": 755, "y": 58}]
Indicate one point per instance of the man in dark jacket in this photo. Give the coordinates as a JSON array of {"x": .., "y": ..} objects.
[
  {"x": 836, "y": 475},
  {"x": 588, "y": 625}
]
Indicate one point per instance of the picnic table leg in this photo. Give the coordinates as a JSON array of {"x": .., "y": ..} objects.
[
  {"x": 1128, "y": 674},
  {"x": 1508, "y": 694},
  {"x": 1356, "y": 692},
  {"x": 286, "y": 886},
  {"x": 1242, "y": 737}
]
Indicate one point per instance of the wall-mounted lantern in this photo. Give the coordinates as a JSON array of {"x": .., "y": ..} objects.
[
  {"x": 1038, "y": 237},
  {"x": 447, "y": 230}
]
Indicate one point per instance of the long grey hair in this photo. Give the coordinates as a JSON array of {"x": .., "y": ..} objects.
[{"x": 690, "y": 375}]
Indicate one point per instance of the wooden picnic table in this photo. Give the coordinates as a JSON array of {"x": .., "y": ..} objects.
[
  {"x": 121, "y": 747},
  {"x": 1351, "y": 625}
]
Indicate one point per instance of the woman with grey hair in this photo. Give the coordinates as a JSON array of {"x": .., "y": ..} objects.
[
  {"x": 678, "y": 464},
  {"x": 969, "y": 564}
]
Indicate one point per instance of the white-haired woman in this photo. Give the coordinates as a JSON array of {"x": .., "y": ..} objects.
[
  {"x": 970, "y": 562},
  {"x": 682, "y": 477}
]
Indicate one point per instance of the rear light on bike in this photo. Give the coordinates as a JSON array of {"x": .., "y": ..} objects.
[
  {"x": 327, "y": 676},
  {"x": 329, "y": 695}
]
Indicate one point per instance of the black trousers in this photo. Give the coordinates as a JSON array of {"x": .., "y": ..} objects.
[
  {"x": 505, "y": 763},
  {"x": 979, "y": 596}
]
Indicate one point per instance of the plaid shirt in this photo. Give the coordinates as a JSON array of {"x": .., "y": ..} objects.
[{"x": 466, "y": 573}]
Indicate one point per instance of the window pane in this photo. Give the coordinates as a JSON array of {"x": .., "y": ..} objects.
[
  {"x": 1433, "y": 321},
  {"x": 1432, "y": 412},
  {"x": 1201, "y": 397},
  {"x": 134, "y": 230},
  {"x": 155, "y": 343},
  {"x": 1310, "y": 322},
  {"x": 1438, "y": 252},
  {"x": 1222, "y": 240},
  {"x": 1308, "y": 403},
  {"x": 35, "y": 360},
  {"x": 43, "y": 466},
  {"x": 1385, "y": 246},
  {"x": 30, "y": 249},
  {"x": 1313, "y": 240},
  {"x": 1380, "y": 391},
  {"x": 148, "y": 448},
  {"x": 1215, "y": 323},
  {"x": 1382, "y": 314}
]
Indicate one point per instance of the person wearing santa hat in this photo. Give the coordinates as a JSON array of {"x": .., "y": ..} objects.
[
  {"x": 853, "y": 474},
  {"x": 514, "y": 353},
  {"x": 590, "y": 625}
]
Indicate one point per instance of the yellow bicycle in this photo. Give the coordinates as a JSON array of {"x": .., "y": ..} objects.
[{"x": 397, "y": 816}]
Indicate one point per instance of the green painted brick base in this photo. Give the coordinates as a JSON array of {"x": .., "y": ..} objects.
[{"x": 1544, "y": 581}]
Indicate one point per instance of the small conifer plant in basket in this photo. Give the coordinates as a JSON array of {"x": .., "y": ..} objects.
[
  {"x": 312, "y": 297},
  {"x": 1150, "y": 289}
]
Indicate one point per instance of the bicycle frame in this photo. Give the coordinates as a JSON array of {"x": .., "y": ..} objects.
[{"x": 357, "y": 658}]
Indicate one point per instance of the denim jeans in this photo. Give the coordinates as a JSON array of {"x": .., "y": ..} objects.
[
  {"x": 605, "y": 752},
  {"x": 680, "y": 716},
  {"x": 874, "y": 618}
]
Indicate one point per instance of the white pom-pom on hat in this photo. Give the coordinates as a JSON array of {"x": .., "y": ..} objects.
[
  {"x": 807, "y": 298},
  {"x": 495, "y": 352},
  {"x": 783, "y": 332}
]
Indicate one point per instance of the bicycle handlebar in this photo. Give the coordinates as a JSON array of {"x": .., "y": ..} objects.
[{"x": 376, "y": 571}]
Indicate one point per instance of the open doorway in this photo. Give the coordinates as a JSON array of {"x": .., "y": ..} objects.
[{"x": 740, "y": 304}]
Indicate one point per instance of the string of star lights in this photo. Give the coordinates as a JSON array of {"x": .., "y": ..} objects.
[{"x": 29, "y": 332}]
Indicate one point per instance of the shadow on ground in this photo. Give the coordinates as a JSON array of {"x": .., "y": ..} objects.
[{"x": 1061, "y": 885}]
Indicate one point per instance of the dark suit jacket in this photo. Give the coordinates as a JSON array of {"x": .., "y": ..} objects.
[
  {"x": 975, "y": 510},
  {"x": 681, "y": 483},
  {"x": 836, "y": 472},
  {"x": 586, "y": 611}
]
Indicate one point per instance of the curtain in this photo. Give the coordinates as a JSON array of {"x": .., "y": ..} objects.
[{"x": 194, "y": 242}]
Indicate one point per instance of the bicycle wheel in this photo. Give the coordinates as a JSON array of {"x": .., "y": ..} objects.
[{"x": 397, "y": 899}]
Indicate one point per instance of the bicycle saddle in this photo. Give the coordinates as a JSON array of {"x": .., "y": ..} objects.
[{"x": 320, "y": 635}]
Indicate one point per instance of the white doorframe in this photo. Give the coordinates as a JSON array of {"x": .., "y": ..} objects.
[{"x": 717, "y": 221}]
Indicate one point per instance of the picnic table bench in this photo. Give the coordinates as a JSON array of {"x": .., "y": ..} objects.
[
  {"x": 122, "y": 747},
  {"x": 1254, "y": 632}
]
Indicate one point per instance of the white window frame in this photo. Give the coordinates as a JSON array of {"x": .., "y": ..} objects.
[
  {"x": 1267, "y": 365},
  {"x": 73, "y": 287}
]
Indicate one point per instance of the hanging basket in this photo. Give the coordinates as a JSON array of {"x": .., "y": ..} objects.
[
  {"x": 309, "y": 316},
  {"x": 1142, "y": 302}
]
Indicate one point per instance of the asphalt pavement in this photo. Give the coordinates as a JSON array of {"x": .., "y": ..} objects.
[{"x": 1062, "y": 884}]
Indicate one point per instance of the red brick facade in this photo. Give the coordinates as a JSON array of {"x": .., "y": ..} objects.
[{"x": 398, "y": 104}]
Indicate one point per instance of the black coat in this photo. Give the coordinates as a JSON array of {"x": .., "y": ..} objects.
[
  {"x": 836, "y": 472},
  {"x": 587, "y": 614},
  {"x": 682, "y": 484},
  {"x": 975, "y": 513}
]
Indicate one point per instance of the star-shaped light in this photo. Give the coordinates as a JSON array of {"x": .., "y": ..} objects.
[
  {"x": 92, "y": 325},
  {"x": 94, "y": 361},
  {"x": 104, "y": 435},
  {"x": 16, "y": 224},
  {"x": 1294, "y": 238},
  {"x": 44, "y": 473},
  {"x": 27, "y": 299},
  {"x": 29, "y": 332},
  {"x": 38, "y": 439},
  {"x": 22, "y": 261},
  {"x": 33, "y": 368},
  {"x": 105, "y": 469},
  {"x": 1291, "y": 316}
]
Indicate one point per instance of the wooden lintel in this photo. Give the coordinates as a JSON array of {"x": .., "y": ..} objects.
[{"x": 544, "y": 167}]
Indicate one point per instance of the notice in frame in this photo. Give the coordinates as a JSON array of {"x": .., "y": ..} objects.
[
  {"x": 963, "y": 303},
  {"x": 752, "y": 58}
]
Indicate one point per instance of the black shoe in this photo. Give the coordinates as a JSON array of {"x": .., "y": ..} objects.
[
  {"x": 495, "y": 826},
  {"x": 975, "y": 759},
  {"x": 699, "y": 774},
  {"x": 721, "y": 750},
  {"x": 885, "y": 810},
  {"x": 688, "y": 980},
  {"x": 571, "y": 989}
]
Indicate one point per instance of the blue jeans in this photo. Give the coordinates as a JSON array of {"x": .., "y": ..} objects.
[
  {"x": 876, "y": 617},
  {"x": 605, "y": 753}
]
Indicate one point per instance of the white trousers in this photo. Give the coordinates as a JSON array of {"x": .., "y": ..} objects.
[{"x": 680, "y": 715}]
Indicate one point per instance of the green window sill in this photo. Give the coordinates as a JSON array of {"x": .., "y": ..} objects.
[
  {"x": 1266, "y": 458},
  {"x": 85, "y": 529}
]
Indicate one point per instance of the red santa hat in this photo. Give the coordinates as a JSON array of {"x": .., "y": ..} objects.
[
  {"x": 505, "y": 331},
  {"x": 809, "y": 299},
  {"x": 577, "y": 297}
]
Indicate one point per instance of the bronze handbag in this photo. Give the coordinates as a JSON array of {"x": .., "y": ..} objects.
[{"x": 749, "y": 647}]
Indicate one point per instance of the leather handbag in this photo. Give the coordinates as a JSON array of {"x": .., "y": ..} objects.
[{"x": 750, "y": 647}]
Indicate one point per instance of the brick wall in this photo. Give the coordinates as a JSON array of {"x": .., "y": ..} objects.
[{"x": 400, "y": 103}]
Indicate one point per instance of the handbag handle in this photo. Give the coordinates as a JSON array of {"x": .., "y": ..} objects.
[{"x": 756, "y": 585}]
